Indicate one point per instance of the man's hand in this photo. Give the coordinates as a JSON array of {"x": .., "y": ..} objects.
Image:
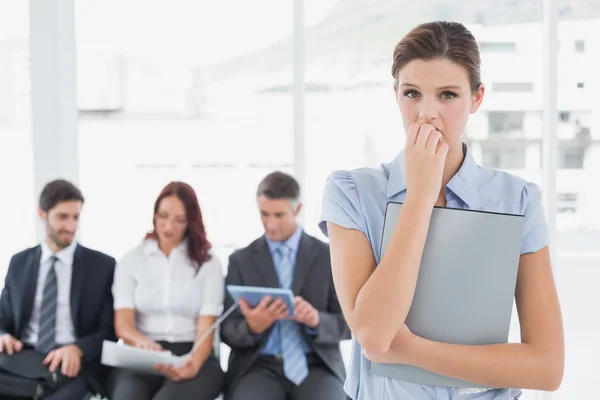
[
  {"x": 305, "y": 313},
  {"x": 176, "y": 374},
  {"x": 9, "y": 344},
  {"x": 69, "y": 357},
  {"x": 261, "y": 317}
]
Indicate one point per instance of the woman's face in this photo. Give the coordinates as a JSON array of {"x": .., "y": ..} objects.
[
  {"x": 170, "y": 221},
  {"x": 437, "y": 92}
]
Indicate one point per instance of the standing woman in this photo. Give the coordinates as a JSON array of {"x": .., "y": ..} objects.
[
  {"x": 436, "y": 69},
  {"x": 168, "y": 291}
]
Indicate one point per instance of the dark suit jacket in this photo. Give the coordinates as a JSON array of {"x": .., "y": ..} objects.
[
  {"x": 91, "y": 300},
  {"x": 253, "y": 266}
]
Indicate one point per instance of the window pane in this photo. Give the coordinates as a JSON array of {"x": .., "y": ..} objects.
[
  {"x": 206, "y": 99},
  {"x": 506, "y": 123},
  {"x": 578, "y": 219},
  {"x": 509, "y": 157},
  {"x": 16, "y": 160},
  {"x": 512, "y": 87},
  {"x": 507, "y": 129},
  {"x": 499, "y": 47},
  {"x": 571, "y": 157}
]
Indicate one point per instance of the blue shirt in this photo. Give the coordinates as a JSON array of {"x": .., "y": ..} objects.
[
  {"x": 357, "y": 200},
  {"x": 273, "y": 345}
]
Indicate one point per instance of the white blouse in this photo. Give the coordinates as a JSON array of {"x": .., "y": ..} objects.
[{"x": 166, "y": 293}]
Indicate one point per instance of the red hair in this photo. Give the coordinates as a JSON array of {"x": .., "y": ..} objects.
[{"x": 198, "y": 245}]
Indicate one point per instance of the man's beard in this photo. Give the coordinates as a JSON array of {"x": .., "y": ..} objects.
[{"x": 55, "y": 238}]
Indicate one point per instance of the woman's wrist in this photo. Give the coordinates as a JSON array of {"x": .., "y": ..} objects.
[
  {"x": 419, "y": 202},
  {"x": 414, "y": 349},
  {"x": 199, "y": 356}
]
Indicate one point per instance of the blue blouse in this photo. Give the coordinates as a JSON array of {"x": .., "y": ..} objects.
[{"x": 357, "y": 200}]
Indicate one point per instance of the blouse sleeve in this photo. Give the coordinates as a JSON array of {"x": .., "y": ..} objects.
[
  {"x": 535, "y": 232},
  {"x": 212, "y": 288},
  {"x": 341, "y": 203},
  {"x": 124, "y": 282}
]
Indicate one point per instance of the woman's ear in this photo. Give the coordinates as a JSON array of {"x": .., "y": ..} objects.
[{"x": 477, "y": 98}]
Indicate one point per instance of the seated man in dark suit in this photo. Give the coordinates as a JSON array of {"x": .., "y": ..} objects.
[
  {"x": 57, "y": 296},
  {"x": 272, "y": 356}
]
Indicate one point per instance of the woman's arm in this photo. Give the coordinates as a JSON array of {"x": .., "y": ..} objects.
[
  {"x": 376, "y": 301},
  {"x": 125, "y": 329},
  {"x": 205, "y": 349},
  {"x": 193, "y": 364},
  {"x": 124, "y": 286},
  {"x": 212, "y": 291},
  {"x": 362, "y": 288},
  {"x": 535, "y": 363}
]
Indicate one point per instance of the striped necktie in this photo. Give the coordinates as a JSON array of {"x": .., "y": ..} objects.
[
  {"x": 47, "y": 326},
  {"x": 295, "y": 366}
]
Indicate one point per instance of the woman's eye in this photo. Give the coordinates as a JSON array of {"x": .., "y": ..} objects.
[
  {"x": 448, "y": 95},
  {"x": 411, "y": 94}
]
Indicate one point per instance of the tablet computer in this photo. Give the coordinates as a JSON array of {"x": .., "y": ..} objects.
[{"x": 254, "y": 294}]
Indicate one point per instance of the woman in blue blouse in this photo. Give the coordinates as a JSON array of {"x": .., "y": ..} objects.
[{"x": 436, "y": 68}]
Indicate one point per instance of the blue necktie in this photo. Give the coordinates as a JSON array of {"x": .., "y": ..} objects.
[
  {"x": 47, "y": 327},
  {"x": 295, "y": 366}
]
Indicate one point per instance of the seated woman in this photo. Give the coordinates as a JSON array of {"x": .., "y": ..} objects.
[{"x": 168, "y": 291}]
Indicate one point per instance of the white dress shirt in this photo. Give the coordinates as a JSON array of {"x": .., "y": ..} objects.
[
  {"x": 64, "y": 270},
  {"x": 166, "y": 293}
]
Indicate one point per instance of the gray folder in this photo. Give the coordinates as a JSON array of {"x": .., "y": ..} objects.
[{"x": 466, "y": 284}]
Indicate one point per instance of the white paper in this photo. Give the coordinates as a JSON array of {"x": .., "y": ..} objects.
[
  {"x": 125, "y": 356},
  {"x": 121, "y": 355}
]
